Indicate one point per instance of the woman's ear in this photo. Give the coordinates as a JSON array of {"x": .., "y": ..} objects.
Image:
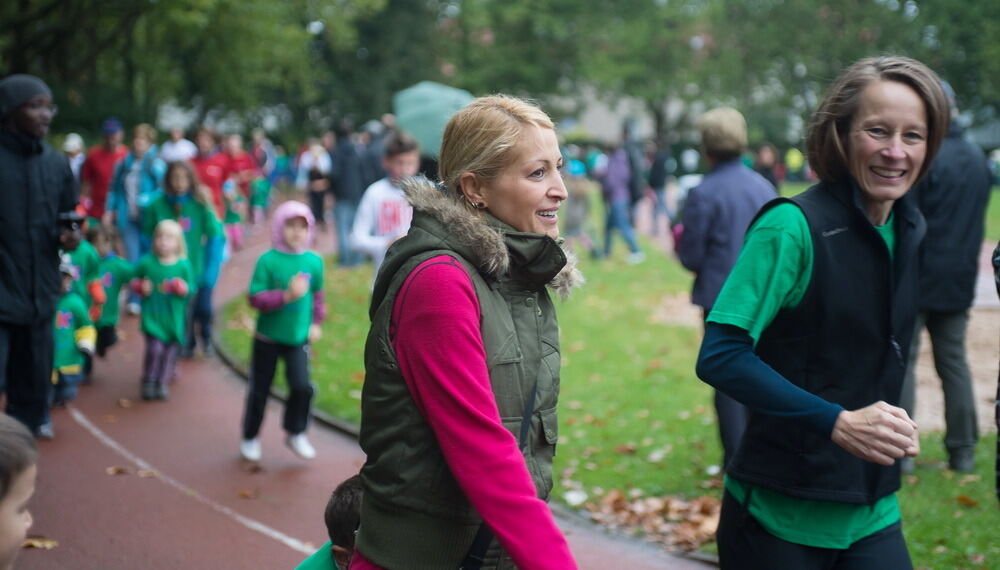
[{"x": 473, "y": 188}]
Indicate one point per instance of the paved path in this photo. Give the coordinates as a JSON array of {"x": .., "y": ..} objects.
[{"x": 184, "y": 500}]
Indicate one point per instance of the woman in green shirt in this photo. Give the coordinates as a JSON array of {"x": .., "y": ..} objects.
[{"x": 810, "y": 330}]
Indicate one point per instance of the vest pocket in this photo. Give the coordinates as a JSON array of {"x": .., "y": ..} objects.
[{"x": 545, "y": 451}]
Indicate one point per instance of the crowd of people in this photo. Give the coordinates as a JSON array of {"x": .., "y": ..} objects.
[{"x": 810, "y": 306}]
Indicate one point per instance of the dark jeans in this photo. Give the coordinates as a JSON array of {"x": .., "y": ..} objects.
[
  {"x": 317, "y": 203},
  {"x": 200, "y": 316},
  {"x": 65, "y": 388},
  {"x": 947, "y": 332},
  {"x": 344, "y": 212},
  {"x": 300, "y": 392},
  {"x": 618, "y": 219},
  {"x": 745, "y": 545},
  {"x": 161, "y": 361},
  {"x": 26, "y": 356}
]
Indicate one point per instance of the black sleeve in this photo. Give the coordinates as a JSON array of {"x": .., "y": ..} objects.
[{"x": 69, "y": 193}]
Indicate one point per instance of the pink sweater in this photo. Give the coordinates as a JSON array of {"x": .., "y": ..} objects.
[{"x": 441, "y": 355}]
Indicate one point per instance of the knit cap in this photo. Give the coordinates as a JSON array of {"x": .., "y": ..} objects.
[{"x": 18, "y": 89}]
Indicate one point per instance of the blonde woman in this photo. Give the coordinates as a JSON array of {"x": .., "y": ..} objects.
[{"x": 462, "y": 360}]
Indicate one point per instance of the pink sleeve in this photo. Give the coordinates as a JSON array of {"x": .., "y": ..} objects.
[
  {"x": 267, "y": 301},
  {"x": 439, "y": 346},
  {"x": 319, "y": 307}
]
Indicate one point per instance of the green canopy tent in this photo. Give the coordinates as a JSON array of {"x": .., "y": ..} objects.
[{"x": 423, "y": 111}]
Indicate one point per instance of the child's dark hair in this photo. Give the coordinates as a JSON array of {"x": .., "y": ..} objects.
[
  {"x": 343, "y": 512},
  {"x": 399, "y": 143},
  {"x": 17, "y": 451}
]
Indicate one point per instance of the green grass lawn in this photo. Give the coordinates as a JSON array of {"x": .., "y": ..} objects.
[{"x": 633, "y": 416}]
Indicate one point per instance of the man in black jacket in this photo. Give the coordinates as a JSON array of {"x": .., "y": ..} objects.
[
  {"x": 36, "y": 188},
  {"x": 347, "y": 177},
  {"x": 953, "y": 199}
]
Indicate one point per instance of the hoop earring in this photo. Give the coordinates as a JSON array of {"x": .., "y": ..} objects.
[{"x": 480, "y": 205}]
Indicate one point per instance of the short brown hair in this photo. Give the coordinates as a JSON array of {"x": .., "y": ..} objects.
[
  {"x": 826, "y": 142},
  {"x": 723, "y": 133},
  {"x": 18, "y": 452},
  {"x": 399, "y": 143},
  {"x": 145, "y": 131}
]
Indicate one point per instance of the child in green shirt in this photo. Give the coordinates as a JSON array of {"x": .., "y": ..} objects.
[
  {"x": 342, "y": 517},
  {"x": 73, "y": 339},
  {"x": 113, "y": 272},
  {"x": 287, "y": 289},
  {"x": 84, "y": 262},
  {"x": 163, "y": 278},
  {"x": 190, "y": 204}
]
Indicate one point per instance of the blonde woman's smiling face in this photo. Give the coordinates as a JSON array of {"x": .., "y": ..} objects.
[{"x": 527, "y": 193}]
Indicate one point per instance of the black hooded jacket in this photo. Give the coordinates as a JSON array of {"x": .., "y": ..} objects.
[
  {"x": 36, "y": 184},
  {"x": 952, "y": 198}
]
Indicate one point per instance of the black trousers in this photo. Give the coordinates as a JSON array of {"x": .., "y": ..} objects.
[
  {"x": 107, "y": 336},
  {"x": 300, "y": 391},
  {"x": 745, "y": 545},
  {"x": 26, "y": 357}
]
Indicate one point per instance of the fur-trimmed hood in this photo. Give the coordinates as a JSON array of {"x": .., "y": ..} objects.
[{"x": 493, "y": 245}]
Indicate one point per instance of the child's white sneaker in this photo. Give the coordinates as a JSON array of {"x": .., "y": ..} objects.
[
  {"x": 250, "y": 449},
  {"x": 299, "y": 443},
  {"x": 133, "y": 309}
]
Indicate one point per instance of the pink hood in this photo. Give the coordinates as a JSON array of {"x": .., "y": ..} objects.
[{"x": 288, "y": 210}]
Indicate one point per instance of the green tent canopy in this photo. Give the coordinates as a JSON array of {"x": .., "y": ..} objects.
[{"x": 423, "y": 111}]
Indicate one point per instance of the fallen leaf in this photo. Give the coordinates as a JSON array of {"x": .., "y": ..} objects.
[
  {"x": 40, "y": 543},
  {"x": 574, "y": 405},
  {"x": 966, "y": 479},
  {"x": 912, "y": 479},
  {"x": 966, "y": 501},
  {"x": 940, "y": 549},
  {"x": 625, "y": 449},
  {"x": 117, "y": 470},
  {"x": 147, "y": 474},
  {"x": 251, "y": 467},
  {"x": 675, "y": 522},
  {"x": 124, "y": 403},
  {"x": 977, "y": 558},
  {"x": 249, "y": 494}
]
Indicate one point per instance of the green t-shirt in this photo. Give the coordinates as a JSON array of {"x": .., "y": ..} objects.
[
  {"x": 85, "y": 261},
  {"x": 114, "y": 272},
  {"x": 164, "y": 314},
  {"x": 71, "y": 315},
  {"x": 199, "y": 223},
  {"x": 289, "y": 324},
  {"x": 322, "y": 559},
  {"x": 773, "y": 272}
]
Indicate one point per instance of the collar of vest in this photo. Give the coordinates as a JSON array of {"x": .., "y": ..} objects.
[
  {"x": 850, "y": 194},
  {"x": 497, "y": 250}
]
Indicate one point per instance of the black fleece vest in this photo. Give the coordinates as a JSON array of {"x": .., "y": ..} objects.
[{"x": 846, "y": 342}]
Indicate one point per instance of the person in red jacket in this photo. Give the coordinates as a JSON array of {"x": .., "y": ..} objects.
[
  {"x": 212, "y": 167},
  {"x": 95, "y": 175}
]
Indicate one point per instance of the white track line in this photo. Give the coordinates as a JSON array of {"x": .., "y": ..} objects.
[{"x": 294, "y": 544}]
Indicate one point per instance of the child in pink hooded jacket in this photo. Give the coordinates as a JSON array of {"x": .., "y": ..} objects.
[{"x": 287, "y": 289}]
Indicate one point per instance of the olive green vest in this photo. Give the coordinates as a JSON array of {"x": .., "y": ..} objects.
[{"x": 413, "y": 514}]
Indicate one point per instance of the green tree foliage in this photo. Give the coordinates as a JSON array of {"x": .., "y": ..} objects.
[{"x": 328, "y": 58}]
